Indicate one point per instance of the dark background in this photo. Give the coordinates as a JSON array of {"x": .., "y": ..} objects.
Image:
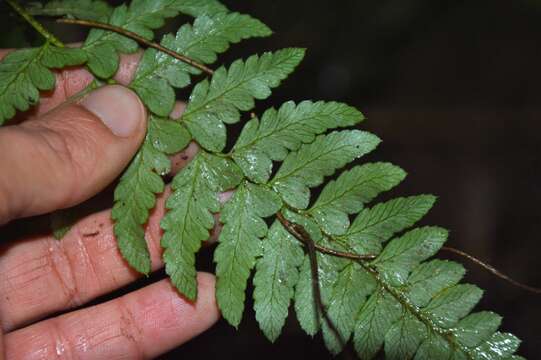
[{"x": 452, "y": 88}]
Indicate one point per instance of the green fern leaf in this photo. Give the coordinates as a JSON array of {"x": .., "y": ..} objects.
[
  {"x": 375, "y": 319},
  {"x": 167, "y": 136},
  {"x": 240, "y": 244},
  {"x": 350, "y": 191},
  {"x": 136, "y": 193},
  {"x": 404, "y": 337},
  {"x": 425, "y": 316},
  {"x": 306, "y": 167},
  {"x": 452, "y": 304},
  {"x": 305, "y": 306},
  {"x": 268, "y": 139},
  {"x": 348, "y": 294},
  {"x": 96, "y": 10},
  {"x": 158, "y": 72},
  {"x": 276, "y": 275},
  {"x": 23, "y": 73},
  {"x": 232, "y": 90},
  {"x": 434, "y": 347},
  {"x": 141, "y": 17},
  {"x": 403, "y": 254},
  {"x": 376, "y": 225},
  {"x": 189, "y": 219},
  {"x": 344, "y": 287},
  {"x": 476, "y": 328},
  {"x": 430, "y": 278},
  {"x": 498, "y": 346}
]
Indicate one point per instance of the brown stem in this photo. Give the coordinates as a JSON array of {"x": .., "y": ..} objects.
[
  {"x": 300, "y": 234},
  {"x": 492, "y": 270},
  {"x": 139, "y": 39}
]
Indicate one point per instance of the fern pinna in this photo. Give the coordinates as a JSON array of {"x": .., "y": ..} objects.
[{"x": 379, "y": 286}]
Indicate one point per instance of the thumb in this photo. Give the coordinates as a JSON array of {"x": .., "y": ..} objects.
[{"x": 70, "y": 153}]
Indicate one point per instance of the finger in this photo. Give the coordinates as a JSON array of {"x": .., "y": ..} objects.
[
  {"x": 142, "y": 324},
  {"x": 84, "y": 265},
  {"x": 70, "y": 154}
]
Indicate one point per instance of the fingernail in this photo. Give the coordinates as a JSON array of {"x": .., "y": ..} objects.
[{"x": 118, "y": 107}]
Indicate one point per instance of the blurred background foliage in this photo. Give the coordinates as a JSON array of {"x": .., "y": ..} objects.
[{"x": 452, "y": 88}]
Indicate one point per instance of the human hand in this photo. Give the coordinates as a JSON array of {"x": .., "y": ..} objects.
[{"x": 60, "y": 155}]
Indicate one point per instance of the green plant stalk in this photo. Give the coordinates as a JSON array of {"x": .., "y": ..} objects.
[{"x": 49, "y": 37}]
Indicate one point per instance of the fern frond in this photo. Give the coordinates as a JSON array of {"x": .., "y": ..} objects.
[
  {"x": 400, "y": 300},
  {"x": 418, "y": 314},
  {"x": 275, "y": 278},
  {"x": 159, "y": 73},
  {"x": 141, "y": 17},
  {"x": 135, "y": 195},
  {"x": 306, "y": 167},
  {"x": 401, "y": 255},
  {"x": 285, "y": 129},
  {"x": 218, "y": 102},
  {"x": 23, "y": 73},
  {"x": 156, "y": 75},
  {"x": 240, "y": 244},
  {"x": 187, "y": 224},
  {"x": 373, "y": 226},
  {"x": 350, "y": 191},
  {"x": 414, "y": 309}
]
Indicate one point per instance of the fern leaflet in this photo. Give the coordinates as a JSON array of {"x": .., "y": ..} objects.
[
  {"x": 23, "y": 73},
  {"x": 240, "y": 245},
  {"x": 278, "y": 131},
  {"x": 275, "y": 278},
  {"x": 135, "y": 194},
  {"x": 232, "y": 90},
  {"x": 307, "y": 167},
  {"x": 187, "y": 224},
  {"x": 141, "y": 17},
  {"x": 159, "y": 73}
]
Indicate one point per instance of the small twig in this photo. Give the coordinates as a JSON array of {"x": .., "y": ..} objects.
[
  {"x": 35, "y": 24},
  {"x": 139, "y": 39},
  {"x": 493, "y": 270}
]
